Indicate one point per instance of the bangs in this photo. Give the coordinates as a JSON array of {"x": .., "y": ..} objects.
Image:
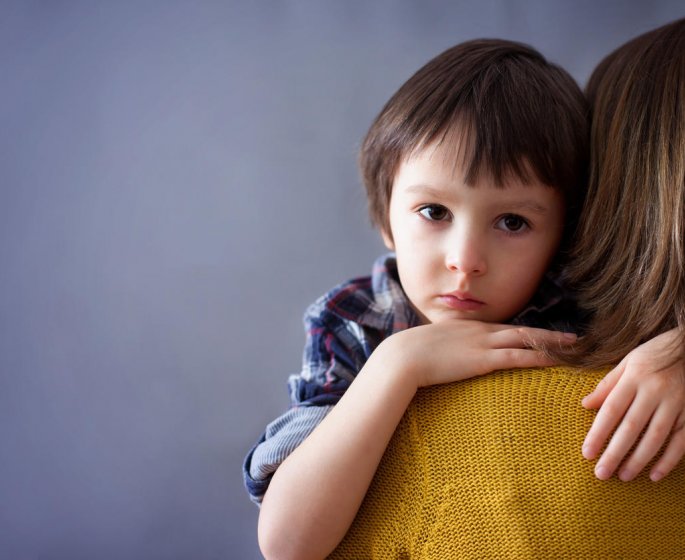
[
  {"x": 502, "y": 126},
  {"x": 478, "y": 157}
]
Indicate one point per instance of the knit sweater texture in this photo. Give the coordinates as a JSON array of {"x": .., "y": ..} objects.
[{"x": 491, "y": 467}]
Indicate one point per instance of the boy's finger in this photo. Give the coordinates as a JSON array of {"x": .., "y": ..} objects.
[
  {"x": 505, "y": 358},
  {"x": 625, "y": 437},
  {"x": 608, "y": 417},
  {"x": 653, "y": 439},
  {"x": 604, "y": 387},
  {"x": 525, "y": 337},
  {"x": 672, "y": 455}
]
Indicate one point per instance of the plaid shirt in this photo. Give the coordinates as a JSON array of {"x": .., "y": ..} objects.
[{"x": 343, "y": 328}]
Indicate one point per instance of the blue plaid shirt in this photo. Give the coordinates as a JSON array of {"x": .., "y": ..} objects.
[{"x": 343, "y": 328}]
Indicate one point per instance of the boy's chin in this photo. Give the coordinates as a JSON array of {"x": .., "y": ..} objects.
[{"x": 452, "y": 317}]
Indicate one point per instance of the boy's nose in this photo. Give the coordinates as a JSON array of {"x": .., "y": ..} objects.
[{"x": 466, "y": 257}]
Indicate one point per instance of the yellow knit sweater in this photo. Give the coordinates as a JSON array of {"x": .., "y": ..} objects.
[{"x": 492, "y": 468}]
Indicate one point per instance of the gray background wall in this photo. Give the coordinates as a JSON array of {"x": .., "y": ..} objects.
[{"x": 177, "y": 182}]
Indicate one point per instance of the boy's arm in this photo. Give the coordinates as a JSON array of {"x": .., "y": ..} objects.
[
  {"x": 278, "y": 440},
  {"x": 316, "y": 492},
  {"x": 334, "y": 352},
  {"x": 644, "y": 394}
]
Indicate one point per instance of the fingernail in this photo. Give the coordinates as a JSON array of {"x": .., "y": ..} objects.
[
  {"x": 570, "y": 335},
  {"x": 602, "y": 472},
  {"x": 656, "y": 476}
]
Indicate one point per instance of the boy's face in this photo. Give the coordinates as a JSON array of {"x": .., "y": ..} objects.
[{"x": 469, "y": 252}]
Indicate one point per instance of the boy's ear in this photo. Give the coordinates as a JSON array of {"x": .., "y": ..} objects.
[{"x": 387, "y": 239}]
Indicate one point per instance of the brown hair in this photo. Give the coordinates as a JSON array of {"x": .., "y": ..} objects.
[
  {"x": 628, "y": 263},
  {"x": 518, "y": 114}
]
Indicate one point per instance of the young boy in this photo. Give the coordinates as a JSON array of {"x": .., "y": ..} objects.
[{"x": 474, "y": 175}]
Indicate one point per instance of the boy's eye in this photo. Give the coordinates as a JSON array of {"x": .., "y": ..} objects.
[
  {"x": 512, "y": 223},
  {"x": 435, "y": 212}
]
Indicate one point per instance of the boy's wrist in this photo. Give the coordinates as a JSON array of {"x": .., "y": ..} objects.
[{"x": 397, "y": 355}]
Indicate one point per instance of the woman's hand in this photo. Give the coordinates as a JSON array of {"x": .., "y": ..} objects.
[{"x": 643, "y": 399}]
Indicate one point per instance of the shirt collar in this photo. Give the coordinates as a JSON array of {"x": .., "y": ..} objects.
[{"x": 389, "y": 309}]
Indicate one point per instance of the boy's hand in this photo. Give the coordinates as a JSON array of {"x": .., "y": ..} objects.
[
  {"x": 460, "y": 349},
  {"x": 646, "y": 391}
]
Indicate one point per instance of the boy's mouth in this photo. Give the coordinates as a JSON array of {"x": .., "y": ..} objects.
[{"x": 462, "y": 301}]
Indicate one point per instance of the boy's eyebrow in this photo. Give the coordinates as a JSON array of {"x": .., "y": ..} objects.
[
  {"x": 531, "y": 205},
  {"x": 525, "y": 204},
  {"x": 426, "y": 190}
]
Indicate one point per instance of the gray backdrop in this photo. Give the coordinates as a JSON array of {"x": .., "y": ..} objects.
[{"x": 177, "y": 183}]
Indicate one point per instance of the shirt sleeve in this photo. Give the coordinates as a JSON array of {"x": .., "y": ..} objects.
[
  {"x": 333, "y": 355},
  {"x": 280, "y": 439}
]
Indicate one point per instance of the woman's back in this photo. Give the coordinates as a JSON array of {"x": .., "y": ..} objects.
[{"x": 492, "y": 468}]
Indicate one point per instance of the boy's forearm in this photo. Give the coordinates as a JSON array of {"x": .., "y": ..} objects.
[{"x": 315, "y": 494}]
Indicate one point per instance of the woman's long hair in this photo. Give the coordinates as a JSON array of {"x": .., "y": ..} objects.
[{"x": 628, "y": 262}]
